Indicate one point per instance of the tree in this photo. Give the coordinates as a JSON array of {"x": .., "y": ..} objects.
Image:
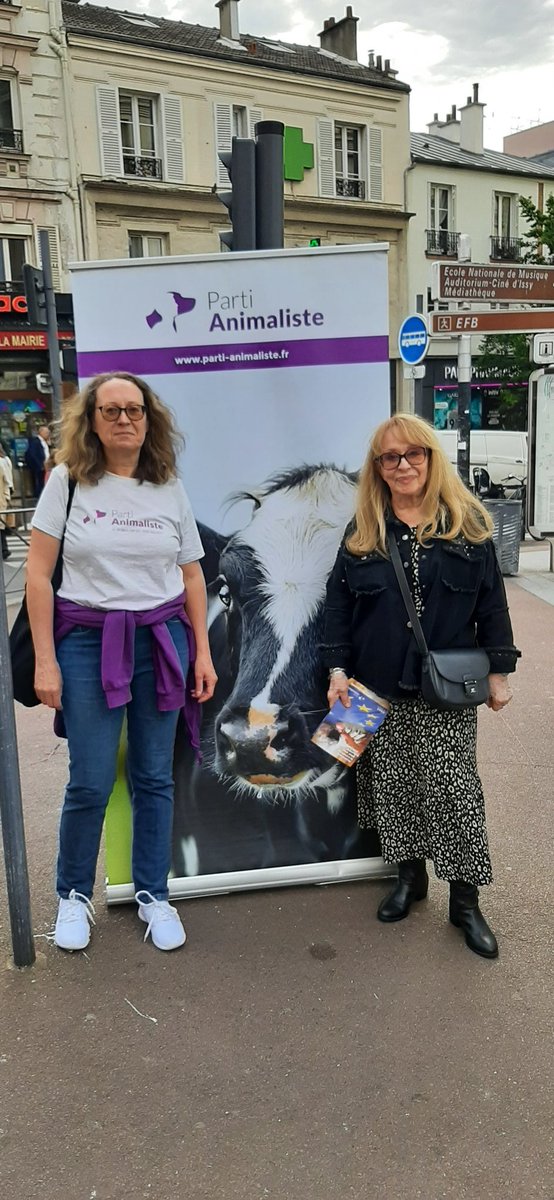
[{"x": 539, "y": 238}]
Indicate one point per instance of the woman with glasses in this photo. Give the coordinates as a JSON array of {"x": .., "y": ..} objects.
[
  {"x": 418, "y": 782},
  {"x": 125, "y": 635}
]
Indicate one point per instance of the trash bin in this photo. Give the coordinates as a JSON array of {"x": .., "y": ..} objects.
[{"x": 507, "y": 515}]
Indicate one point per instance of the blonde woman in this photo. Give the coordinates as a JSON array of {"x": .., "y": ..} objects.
[
  {"x": 125, "y": 635},
  {"x": 418, "y": 782}
]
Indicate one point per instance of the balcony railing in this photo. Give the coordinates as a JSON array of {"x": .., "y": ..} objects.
[
  {"x": 11, "y": 139},
  {"x": 353, "y": 189},
  {"x": 506, "y": 249},
  {"x": 144, "y": 168},
  {"x": 443, "y": 242}
]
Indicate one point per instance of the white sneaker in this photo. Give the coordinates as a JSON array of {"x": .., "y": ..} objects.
[
  {"x": 75, "y": 916},
  {"x": 163, "y": 922}
]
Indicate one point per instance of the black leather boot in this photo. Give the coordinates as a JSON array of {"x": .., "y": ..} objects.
[
  {"x": 465, "y": 914},
  {"x": 412, "y": 885}
]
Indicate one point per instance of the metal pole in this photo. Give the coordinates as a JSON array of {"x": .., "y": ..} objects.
[
  {"x": 270, "y": 187},
  {"x": 11, "y": 809},
  {"x": 51, "y": 324},
  {"x": 464, "y": 404},
  {"x": 418, "y": 383}
]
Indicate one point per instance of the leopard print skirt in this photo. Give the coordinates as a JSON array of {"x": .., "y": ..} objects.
[{"x": 418, "y": 785}]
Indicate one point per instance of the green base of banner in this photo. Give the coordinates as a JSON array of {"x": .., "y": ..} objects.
[{"x": 118, "y": 827}]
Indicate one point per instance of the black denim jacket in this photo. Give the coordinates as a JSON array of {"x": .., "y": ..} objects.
[{"x": 366, "y": 623}]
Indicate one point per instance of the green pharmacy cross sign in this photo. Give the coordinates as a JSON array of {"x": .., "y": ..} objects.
[{"x": 299, "y": 155}]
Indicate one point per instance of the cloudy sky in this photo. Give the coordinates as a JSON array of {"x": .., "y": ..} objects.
[{"x": 439, "y": 47}]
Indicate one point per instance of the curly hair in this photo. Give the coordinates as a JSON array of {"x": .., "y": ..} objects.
[
  {"x": 449, "y": 509},
  {"x": 82, "y": 451}
]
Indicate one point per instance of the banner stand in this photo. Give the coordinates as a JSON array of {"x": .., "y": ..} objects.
[{"x": 354, "y": 870}]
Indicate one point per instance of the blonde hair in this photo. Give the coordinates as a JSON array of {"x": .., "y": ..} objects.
[
  {"x": 83, "y": 453},
  {"x": 449, "y": 510}
]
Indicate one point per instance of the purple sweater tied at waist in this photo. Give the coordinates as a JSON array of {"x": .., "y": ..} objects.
[{"x": 118, "y": 655}]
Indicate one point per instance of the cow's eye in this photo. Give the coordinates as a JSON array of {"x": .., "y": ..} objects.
[{"x": 225, "y": 594}]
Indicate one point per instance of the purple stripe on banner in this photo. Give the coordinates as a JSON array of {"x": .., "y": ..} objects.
[{"x": 170, "y": 360}]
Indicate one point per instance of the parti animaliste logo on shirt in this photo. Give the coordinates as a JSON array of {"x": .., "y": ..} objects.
[{"x": 122, "y": 520}]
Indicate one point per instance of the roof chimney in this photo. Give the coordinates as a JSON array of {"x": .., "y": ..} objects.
[
  {"x": 229, "y": 19},
  {"x": 448, "y": 129},
  {"x": 471, "y": 127},
  {"x": 339, "y": 37}
]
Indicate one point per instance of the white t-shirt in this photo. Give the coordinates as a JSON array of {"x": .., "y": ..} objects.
[{"x": 124, "y": 542}]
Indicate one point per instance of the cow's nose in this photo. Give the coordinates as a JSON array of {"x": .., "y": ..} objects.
[{"x": 252, "y": 747}]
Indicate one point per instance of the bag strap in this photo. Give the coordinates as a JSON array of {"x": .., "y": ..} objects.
[
  {"x": 406, "y": 594},
  {"x": 71, "y": 485}
]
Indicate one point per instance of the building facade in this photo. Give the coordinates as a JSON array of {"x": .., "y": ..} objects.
[
  {"x": 456, "y": 187},
  {"x": 154, "y": 102},
  {"x": 38, "y": 190}
]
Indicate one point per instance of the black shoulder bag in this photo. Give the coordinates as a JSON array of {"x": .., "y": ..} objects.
[
  {"x": 22, "y": 651},
  {"x": 450, "y": 679}
]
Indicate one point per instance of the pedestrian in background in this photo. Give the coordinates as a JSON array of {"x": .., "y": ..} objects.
[
  {"x": 36, "y": 457},
  {"x": 6, "y": 489},
  {"x": 418, "y": 782},
  {"x": 127, "y": 623}
]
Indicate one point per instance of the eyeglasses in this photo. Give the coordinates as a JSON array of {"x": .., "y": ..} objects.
[
  {"x": 390, "y": 461},
  {"x": 112, "y": 412}
]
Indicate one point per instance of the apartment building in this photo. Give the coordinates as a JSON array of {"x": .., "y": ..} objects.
[
  {"x": 154, "y": 101},
  {"x": 38, "y": 190},
  {"x": 456, "y": 186}
]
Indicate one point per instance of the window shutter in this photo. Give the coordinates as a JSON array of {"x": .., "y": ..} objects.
[
  {"x": 111, "y": 158},
  {"x": 223, "y": 121},
  {"x": 254, "y": 115},
  {"x": 55, "y": 257},
  {"x": 375, "y": 144},
  {"x": 326, "y": 157},
  {"x": 172, "y": 127}
]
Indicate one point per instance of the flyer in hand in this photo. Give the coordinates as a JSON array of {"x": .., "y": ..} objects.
[{"x": 345, "y": 732}]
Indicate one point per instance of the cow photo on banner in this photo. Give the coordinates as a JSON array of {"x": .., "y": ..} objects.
[{"x": 276, "y": 365}]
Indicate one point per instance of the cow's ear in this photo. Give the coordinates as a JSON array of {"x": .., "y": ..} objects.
[{"x": 254, "y": 497}]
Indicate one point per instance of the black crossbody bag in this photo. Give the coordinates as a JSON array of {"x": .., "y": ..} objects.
[
  {"x": 450, "y": 679},
  {"x": 22, "y": 650}
]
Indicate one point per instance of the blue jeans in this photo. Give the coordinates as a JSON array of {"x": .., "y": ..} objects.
[{"x": 93, "y": 735}]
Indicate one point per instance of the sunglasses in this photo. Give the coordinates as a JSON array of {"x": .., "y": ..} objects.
[
  {"x": 390, "y": 460},
  {"x": 112, "y": 412}
]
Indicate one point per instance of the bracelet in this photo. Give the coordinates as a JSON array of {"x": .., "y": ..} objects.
[{"x": 337, "y": 671}]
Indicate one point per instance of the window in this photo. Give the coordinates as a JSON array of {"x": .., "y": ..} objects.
[
  {"x": 441, "y": 208},
  {"x": 349, "y": 160},
  {"x": 240, "y": 121},
  {"x": 504, "y": 215},
  {"x": 10, "y": 138},
  {"x": 13, "y": 253},
  {"x": 441, "y": 238},
  {"x": 348, "y": 178},
  {"x": 147, "y": 245},
  {"x": 140, "y": 135},
  {"x": 505, "y": 244},
  {"x": 231, "y": 120}
]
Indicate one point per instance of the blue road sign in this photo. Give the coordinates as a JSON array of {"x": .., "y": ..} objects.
[{"x": 413, "y": 339}]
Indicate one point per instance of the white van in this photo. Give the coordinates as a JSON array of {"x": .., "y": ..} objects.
[{"x": 502, "y": 452}]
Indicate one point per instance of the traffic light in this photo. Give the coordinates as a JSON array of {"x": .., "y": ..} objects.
[
  {"x": 35, "y": 295},
  {"x": 314, "y": 241},
  {"x": 241, "y": 201}
]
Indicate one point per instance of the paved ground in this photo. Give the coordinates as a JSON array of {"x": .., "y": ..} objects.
[{"x": 297, "y": 1049}]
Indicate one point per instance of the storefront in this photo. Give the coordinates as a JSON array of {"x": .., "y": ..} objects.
[
  {"x": 25, "y": 395},
  {"x": 495, "y": 403}
]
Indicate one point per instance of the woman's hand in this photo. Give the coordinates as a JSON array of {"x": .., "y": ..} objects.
[
  {"x": 205, "y": 677},
  {"x": 48, "y": 684},
  {"x": 338, "y": 689},
  {"x": 500, "y": 692}
]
